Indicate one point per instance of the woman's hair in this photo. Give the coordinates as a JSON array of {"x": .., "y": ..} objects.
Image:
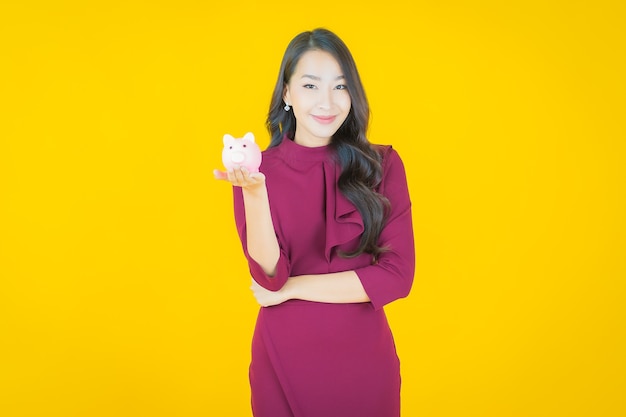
[{"x": 361, "y": 170}]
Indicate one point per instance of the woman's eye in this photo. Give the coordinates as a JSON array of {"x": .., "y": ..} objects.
[
  {"x": 310, "y": 86},
  {"x": 341, "y": 87}
]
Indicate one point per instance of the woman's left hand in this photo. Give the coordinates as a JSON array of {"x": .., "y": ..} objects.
[{"x": 267, "y": 298}]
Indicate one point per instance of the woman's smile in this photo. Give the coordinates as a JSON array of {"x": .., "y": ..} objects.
[{"x": 325, "y": 120}]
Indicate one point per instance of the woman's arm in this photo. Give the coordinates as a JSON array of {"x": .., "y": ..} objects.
[
  {"x": 261, "y": 241},
  {"x": 338, "y": 287},
  {"x": 261, "y": 238}
]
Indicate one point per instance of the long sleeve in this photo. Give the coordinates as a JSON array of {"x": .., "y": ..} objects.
[
  {"x": 392, "y": 276},
  {"x": 283, "y": 268}
]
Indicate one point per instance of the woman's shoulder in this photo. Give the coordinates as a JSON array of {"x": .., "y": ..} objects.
[
  {"x": 387, "y": 153},
  {"x": 272, "y": 154},
  {"x": 382, "y": 149},
  {"x": 394, "y": 175}
]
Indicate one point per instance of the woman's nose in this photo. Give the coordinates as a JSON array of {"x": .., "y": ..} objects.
[{"x": 325, "y": 100}]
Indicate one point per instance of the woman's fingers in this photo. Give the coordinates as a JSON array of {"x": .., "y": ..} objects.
[
  {"x": 264, "y": 297},
  {"x": 239, "y": 177},
  {"x": 220, "y": 175},
  {"x": 236, "y": 177},
  {"x": 243, "y": 178}
]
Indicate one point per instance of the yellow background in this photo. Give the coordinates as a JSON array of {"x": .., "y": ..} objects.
[{"x": 123, "y": 290}]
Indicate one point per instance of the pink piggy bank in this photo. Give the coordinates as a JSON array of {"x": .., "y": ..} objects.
[{"x": 242, "y": 152}]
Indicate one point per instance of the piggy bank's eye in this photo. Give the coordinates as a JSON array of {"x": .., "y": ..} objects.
[
  {"x": 245, "y": 146},
  {"x": 230, "y": 147}
]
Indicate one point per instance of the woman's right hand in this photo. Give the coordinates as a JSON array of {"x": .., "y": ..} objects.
[{"x": 241, "y": 177}]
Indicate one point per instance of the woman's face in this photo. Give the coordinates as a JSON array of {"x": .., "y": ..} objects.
[{"x": 319, "y": 98}]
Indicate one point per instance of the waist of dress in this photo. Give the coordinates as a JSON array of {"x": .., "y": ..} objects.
[{"x": 323, "y": 311}]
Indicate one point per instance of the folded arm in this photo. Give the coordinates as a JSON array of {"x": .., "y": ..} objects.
[{"x": 338, "y": 287}]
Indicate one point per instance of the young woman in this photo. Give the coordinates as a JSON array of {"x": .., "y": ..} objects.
[{"x": 326, "y": 229}]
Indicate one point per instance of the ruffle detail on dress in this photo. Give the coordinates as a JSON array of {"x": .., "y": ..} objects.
[{"x": 343, "y": 221}]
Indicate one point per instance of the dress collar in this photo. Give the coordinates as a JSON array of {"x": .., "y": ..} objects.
[{"x": 294, "y": 151}]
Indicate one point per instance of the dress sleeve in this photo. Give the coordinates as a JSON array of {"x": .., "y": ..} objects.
[
  {"x": 392, "y": 276},
  {"x": 283, "y": 267}
]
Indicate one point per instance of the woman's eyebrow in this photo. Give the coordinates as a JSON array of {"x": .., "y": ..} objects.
[{"x": 316, "y": 78}]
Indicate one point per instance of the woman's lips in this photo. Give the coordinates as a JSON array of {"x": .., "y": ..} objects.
[{"x": 325, "y": 119}]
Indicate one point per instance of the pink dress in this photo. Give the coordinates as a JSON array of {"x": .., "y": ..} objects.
[{"x": 317, "y": 359}]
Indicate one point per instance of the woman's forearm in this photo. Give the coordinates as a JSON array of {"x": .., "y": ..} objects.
[
  {"x": 339, "y": 287},
  {"x": 261, "y": 239}
]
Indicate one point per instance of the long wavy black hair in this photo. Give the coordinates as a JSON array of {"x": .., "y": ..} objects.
[{"x": 360, "y": 162}]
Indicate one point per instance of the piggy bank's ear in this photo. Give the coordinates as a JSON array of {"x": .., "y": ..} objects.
[
  {"x": 228, "y": 139},
  {"x": 249, "y": 136}
]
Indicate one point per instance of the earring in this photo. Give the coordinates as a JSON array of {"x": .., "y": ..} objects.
[{"x": 286, "y": 107}]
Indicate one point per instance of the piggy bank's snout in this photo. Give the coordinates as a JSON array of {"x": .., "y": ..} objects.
[{"x": 237, "y": 157}]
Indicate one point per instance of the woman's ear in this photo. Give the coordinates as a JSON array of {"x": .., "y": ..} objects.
[{"x": 286, "y": 96}]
